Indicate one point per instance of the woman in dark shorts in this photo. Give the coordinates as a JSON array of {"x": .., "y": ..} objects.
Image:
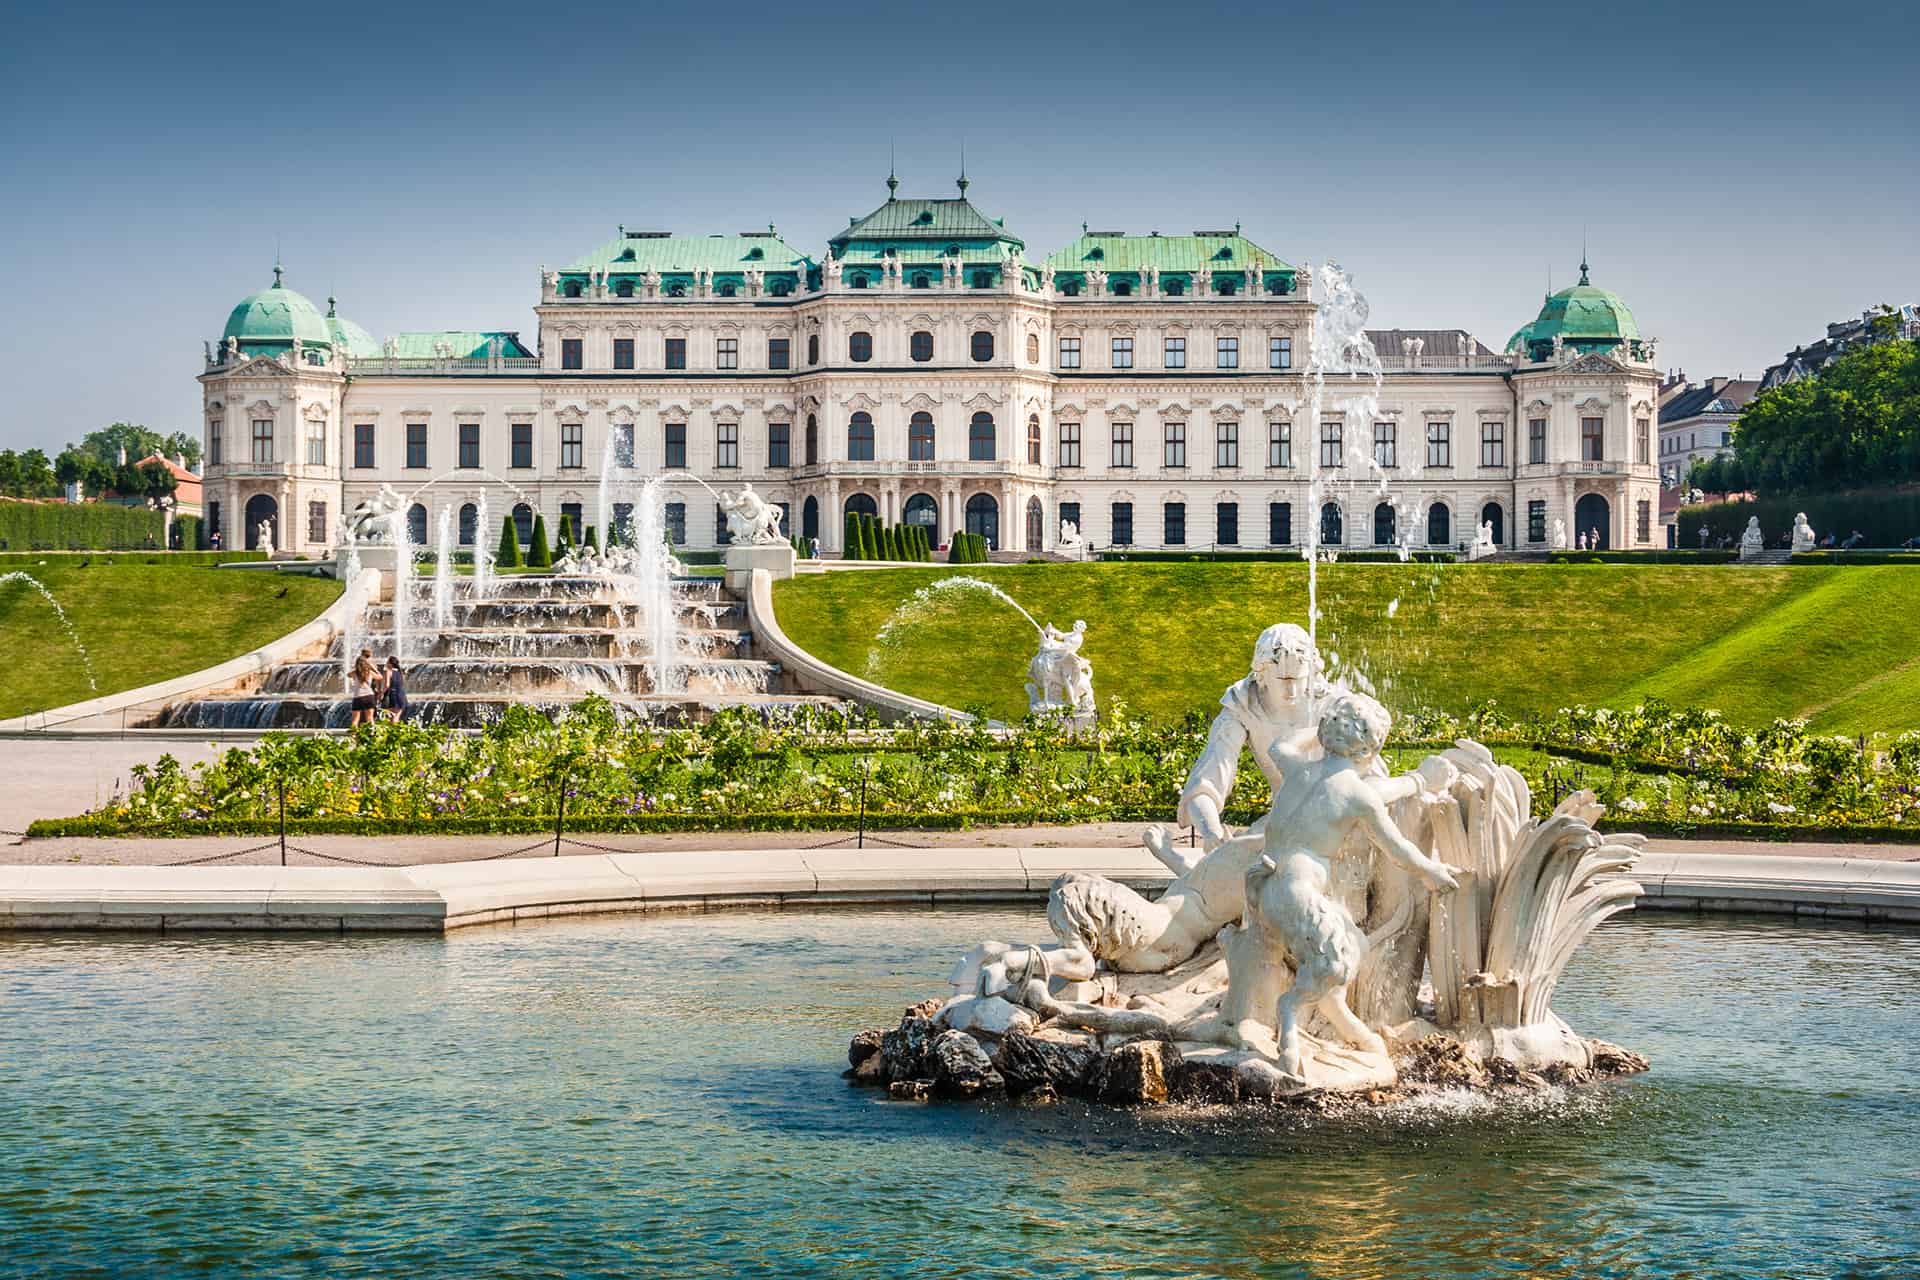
[
  {"x": 394, "y": 695},
  {"x": 363, "y": 684}
]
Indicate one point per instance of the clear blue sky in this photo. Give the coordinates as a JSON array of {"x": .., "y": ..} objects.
[{"x": 1743, "y": 172}]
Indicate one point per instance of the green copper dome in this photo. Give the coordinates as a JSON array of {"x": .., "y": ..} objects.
[
  {"x": 348, "y": 336},
  {"x": 275, "y": 316},
  {"x": 1584, "y": 317}
]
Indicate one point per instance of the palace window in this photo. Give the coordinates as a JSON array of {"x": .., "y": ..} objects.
[
  {"x": 1123, "y": 524},
  {"x": 317, "y": 442},
  {"x": 983, "y": 279},
  {"x": 416, "y": 445},
  {"x": 1280, "y": 444},
  {"x": 573, "y": 289},
  {"x": 1384, "y": 445},
  {"x": 469, "y": 446},
  {"x": 1226, "y": 444},
  {"x": 726, "y": 353},
  {"x": 676, "y": 353},
  {"x": 920, "y": 437},
  {"x": 213, "y": 517},
  {"x": 1643, "y": 520},
  {"x": 1226, "y": 353},
  {"x": 521, "y": 436},
  {"x": 1331, "y": 446},
  {"x": 1493, "y": 444},
  {"x": 573, "y": 445},
  {"x": 676, "y": 521},
  {"x": 813, "y": 348},
  {"x": 213, "y": 443},
  {"x": 1383, "y": 524},
  {"x": 1536, "y": 440},
  {"x": 1069, "y": 444},
  {"x": 1122, "y": 444},
  {"x": 676, "y": 445},
  {"x": 1176, "y": 353},
  {"x": 860, "y": 437},
  {"x": 624, "y": 289},
  {"x": 1279, "y": 524},
  {"x": 779, "y": 353},
  {"x": 722, "y": 535},
  {"x": 1642, "y": 442},
  {"x": 1226, "y": 523},
  {"x": 921, "y": 280},
  {"x": 623, "y": 353},
  {"x": 1279, "y": 353},
  {"x": 263, "y": 439},
  {"x": 1590, "y": 439},
  {"x": 1123, "y": 353},
  {"x": 779, "y": 445},
  {"x": 1439, "y": 444},
  {"x": 575, "y": 517},
  {"x": 1174, "y": 450},
  {"x": 1069, "y": 353},
  {"x": 1332, "y": 532},
  {"x": 317, "y": 522},
  {"x": 920, "y": 346},
  {"x": 726, "y": 445},
  {"x": 1033, "y": 348},
  {"x": 860, "y": 346},
  {"x": 813, "y": 440},
  {"x": 363, "y": 445},
  {"x": 1070, "y": 514},
  {"x": 571, "y": 353},
  {"x": 467, "y": 523},
  {"x": 1033, "y": 439},
  {"x": 1537, "y": 521},
  {"x": 1439, "y": 525},
  {"x": 980, "y": 438},
  {"x": 1173, "y": 516},
  {"x": 982, "y": 346}
]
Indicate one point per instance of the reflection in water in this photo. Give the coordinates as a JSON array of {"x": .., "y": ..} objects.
[{"x": 625, "y": 1097}]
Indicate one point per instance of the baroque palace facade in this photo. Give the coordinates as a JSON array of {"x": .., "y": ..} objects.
[{"x": 1150, "y": 389}]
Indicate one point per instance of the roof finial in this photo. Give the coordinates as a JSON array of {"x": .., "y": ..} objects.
[
  {"x": 276, "y": 275},
  {"x": 1583, "y": 255},
  {"x": 332, "y": 305},
  {"x": 893, "y": 181},
  {"x": 963, "y": 168}
]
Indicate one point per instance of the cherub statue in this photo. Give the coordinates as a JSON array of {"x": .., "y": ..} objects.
[{"x": 264, "y": 533}]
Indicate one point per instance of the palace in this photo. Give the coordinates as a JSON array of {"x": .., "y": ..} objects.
[{"x": 1150, "y": 389}]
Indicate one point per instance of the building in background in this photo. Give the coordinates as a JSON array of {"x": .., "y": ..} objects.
[
  {"x": 1150, "y": 389},
  {"x": 1804, "y": 362},
  {"x": 1696, "y": 423}
]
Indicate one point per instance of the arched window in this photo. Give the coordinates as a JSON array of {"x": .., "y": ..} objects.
[
  {"x": 983, "y": 279},
  {"x": 860, "y": 346},
  {"x": 980, "y": 438},
  {"x": 1226, "y": 286},
  {"x": 1383, "y": 525},
  {"x": 1175, "y": 288},
  {"x": 858, "y": 280},
  {"x": 920, "y": 437},
  {"x": 1493, "y": 515},
  {"x": 417, "y": 524},
  {"x": 813, "y": 441},
  {"x": 860, "y": 438},
  {"x": 983, "y": 518},
  {"x": 573, "y": 289},
  {"x": 1330, "y": 531},
  {"x": 1123, "y": 289},
  {"x": 523, "y": 523},
  {"x": 729, "y": 290},
  {"x": 781, "y": 288},
  {"x": 1033, "y": 439},
  {"x": 921, "y": 280},
  {"x": 1036, "y": 525},
  {"x": 864, "y": 504},
  {"x": 1033, "y": 348},
  {"x": 920, "y": 346},
  {"x": 624, "y": 289},
  {"x": 923, "y": 510},
  {"x": 982, "y": 345},
  {"x": 813, "y": 348},
  {"x": 676, "y": 290},
  {"x": 1439, "y": 525},
  {"x": 1070, "y": 288},
  {"x": 469, "y": 522},
  {"x": 810, "y": 518}
]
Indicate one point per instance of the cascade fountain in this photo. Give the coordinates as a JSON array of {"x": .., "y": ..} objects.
[
  {"x": 443, "y": 573},
  {"x": 66, "y": 623},
  {"x": 482, "y": 550}
]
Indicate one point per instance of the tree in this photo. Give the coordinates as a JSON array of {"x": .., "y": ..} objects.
[
  {"x": 81, "y": 467},
  {"x": 539, "y": 553},
  {"x": 1855, "y": 423},
  {"x": 508, "y": 556}
]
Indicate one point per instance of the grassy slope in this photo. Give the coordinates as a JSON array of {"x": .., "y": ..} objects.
[
  {"x": 140, "y": 623},
  {"x": 1755, "y": 643}
]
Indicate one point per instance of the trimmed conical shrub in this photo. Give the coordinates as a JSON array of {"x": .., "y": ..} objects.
[
  {"x": 850, "y": 538},
  {"x": 539, "y": 554},
  {"x": 565, "y": 543},
  {"x": 890, "y": 542},
  {"x": 508, "y": 556},
  {"x": 590, "y": 539}
]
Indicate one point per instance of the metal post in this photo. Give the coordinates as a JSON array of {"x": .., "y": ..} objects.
[
  {"x": 283, "y": 822},
  {"x": 559, "y": 814},
  {"x": 866, "y": 770}
]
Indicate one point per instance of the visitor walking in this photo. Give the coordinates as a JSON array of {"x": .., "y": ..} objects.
[
  {"x": 393, "y": 694},
  {"x": 213, "y": 539},
  {"x": 363, "y": 684}
]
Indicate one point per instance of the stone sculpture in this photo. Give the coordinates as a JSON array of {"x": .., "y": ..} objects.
[
  {"x": 1290, "y": 956},
  {"x": 751, "y": 519},
  {"x": 1059, "y": 680},
  {"x": 373, "y": 519},
  {"x": 1802, "y": 534},
  {"x": 1752, "y": 541},
  {"x": 1559, "y": 534},
  {"x": 1483, "y": 543},
  {"x": 1070, "y": 539},
  {"x": 264, "y": 532}
]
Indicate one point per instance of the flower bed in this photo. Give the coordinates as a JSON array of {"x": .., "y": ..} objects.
[{"x": 1657, "y": 768}]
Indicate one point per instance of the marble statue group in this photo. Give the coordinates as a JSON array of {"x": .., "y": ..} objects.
[{"x": 1293, "y": 951}]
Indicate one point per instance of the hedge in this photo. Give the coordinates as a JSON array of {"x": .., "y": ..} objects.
[
  {"x": 1368, "y": 556},
  {"x": 1643, "y": 557},
  {"x": 142, "y": 556},
  {"x": 1857, "y": 557},
  {"x": 84, "y": 526},
  {"x": 1886, "y": 516},
  {"x": 187, "y": 534}
]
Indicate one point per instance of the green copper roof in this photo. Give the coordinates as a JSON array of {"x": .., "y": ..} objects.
[
  {"x": 277, "y": 315},
  {"x": 348, "y": 336},
  {"x": 1582, "y": 316},
  {"x": 641, "y": 252},
  {"x": 946, "y": 222},
  {"x": 465, "y": 344},
  {"x": 1218, "y": 251}
]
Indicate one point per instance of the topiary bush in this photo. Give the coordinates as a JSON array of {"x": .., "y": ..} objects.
[
  {"x": 565, "y": 543},
  {"x": 539, "y": 554},
  {"x": 508, "y": 554}
]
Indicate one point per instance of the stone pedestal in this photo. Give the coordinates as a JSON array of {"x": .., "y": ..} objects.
[
  {"x": 775, "y": 557},
  {"x": 374, "y": 556}
]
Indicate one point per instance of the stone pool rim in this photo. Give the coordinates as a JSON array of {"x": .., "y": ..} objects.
[{"x": 438, "y": 898}]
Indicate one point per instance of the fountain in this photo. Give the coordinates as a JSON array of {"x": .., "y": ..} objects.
[
  {"x": 1287, "y": 959},
  {"x": 1059, "y": 680},
  {"x": 482, "y": 550},
  {"x": 66, "y": 623},
  {"x": 443, "y": 573}
]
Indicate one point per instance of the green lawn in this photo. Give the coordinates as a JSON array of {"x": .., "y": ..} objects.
[
  {"x": 1839, "y": 645},
  {"x": 140, "y": 623}
]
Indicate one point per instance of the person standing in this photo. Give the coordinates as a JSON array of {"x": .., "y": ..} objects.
[
  {"x": 393, "y": 695},
  {"x": 363, "y": 687}
]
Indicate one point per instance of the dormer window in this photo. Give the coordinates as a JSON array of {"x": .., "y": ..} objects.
[
  {"x": 1225, "y": 254},
  {"x": 729, "y": 289},
  {"x": 1123, "y": 290},
  {"x": 624, "y": 289},
  {"x": 756, "y": 255},
  {"x": 1070, "y": 288},
  {"x": 983, "y": 279},
  {"x": 676, "y": 291},
  {"x": 921, "y": 280},
  {"x": 572, "y": 289},
  {"x": 1174, "y": 288},
  {"x": 1098, "y": 255},
  {"x": 857, "y": 280},
  {"x": 1226, "y": 286},
  {"x": 781, "y": 288},
  {"x": 952, "y": 251},
  {"x": 925, "y": 219},
  {"x": 626, "y": 255}
]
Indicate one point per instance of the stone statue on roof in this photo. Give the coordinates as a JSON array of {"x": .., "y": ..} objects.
[
  {"x": 651, "y": 282},
  {"x": 1150, "y": 281},
  {"x": 830, "y": 268},
  {"x": 1097, "y": 282},
  {"x": 1203, "y": 280},
  {"x": 753, "y": 282}
]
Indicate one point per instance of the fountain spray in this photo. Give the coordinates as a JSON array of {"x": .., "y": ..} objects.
[
  {"x": 1340, "y": 346},
  {"x": 66, "y": 623},
  {"x": 443, "y": 572},
  {"x": 482, "y": 551}
]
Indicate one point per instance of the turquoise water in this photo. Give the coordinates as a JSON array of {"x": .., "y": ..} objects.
[{"x": 638, "y": 1097}]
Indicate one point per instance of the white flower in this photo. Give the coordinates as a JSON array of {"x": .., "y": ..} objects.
[
  {"x": 1774, "y": 806},
  {"x": 1631, "y": 805}
]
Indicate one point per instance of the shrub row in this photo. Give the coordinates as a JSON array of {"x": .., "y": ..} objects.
[
  {"x": 1857, "y": 557},
  {"x": 1277, "y": 556},
  {"x": 179, "y": 559},
  {"x": 868, "y": 539},
  {"x": 1885, "y": 517},
  {"x": 967, "y": 548},
  {"x": 1643, "y": 557},
  {"x": 83, "y": 526}
]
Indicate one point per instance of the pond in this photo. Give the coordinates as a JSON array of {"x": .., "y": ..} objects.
[{"x": 625, "y": 1097}]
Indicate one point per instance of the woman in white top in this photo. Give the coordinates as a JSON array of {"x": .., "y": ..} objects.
[{"x": 364, "y": 685}]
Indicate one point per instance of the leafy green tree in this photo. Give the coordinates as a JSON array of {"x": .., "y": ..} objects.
[
  {"x": 78, "y": 466},
  {"x": 539, "y": 553},
  {"x": 508, "y": 555},
  {"x": 1855, "y": 423}
]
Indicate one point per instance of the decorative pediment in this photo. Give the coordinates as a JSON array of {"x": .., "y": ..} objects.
[
  {"x": 1175, "y": 412},
  {"x": 1538, "y": 408},
  {"x": 261, "y": 409},
  {"x": 1125, "y": 412},
  {"x": 779, "y": 411},
  {"x": 1122, "y": 328},
  {"x": 1228, "y": 412},
  {"x": 316, "y": 412},
  {"x": 466, "y": 413},
  {"x": 571, "y": 412},
  {"x": 622, "y": 415},
  {"x": 675, "y": 329},
  {"x": 1174, "y": 495},
  {"x": 1069, "y": 412},
  {"x": 859, "y": 320},
  {"x": 727, "y": 412},
  {"x": 1594, "y": 363},
  {"x": 673, "y": 413},
  {"x": 920, "y": 400},
  {"x": 1500, "y": 415},
  {"x": 982, "y": 401},
  {"x": 262, "y": 367},
  {"x": 730, "y": 328},
  {"x": 1642, "y": 409},
  {"x": 921, "y": 320},
  {"x": 861, "y": 400},
  {"x": 1591, "y": 407},
  {"x": 981, "y": 320}
]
